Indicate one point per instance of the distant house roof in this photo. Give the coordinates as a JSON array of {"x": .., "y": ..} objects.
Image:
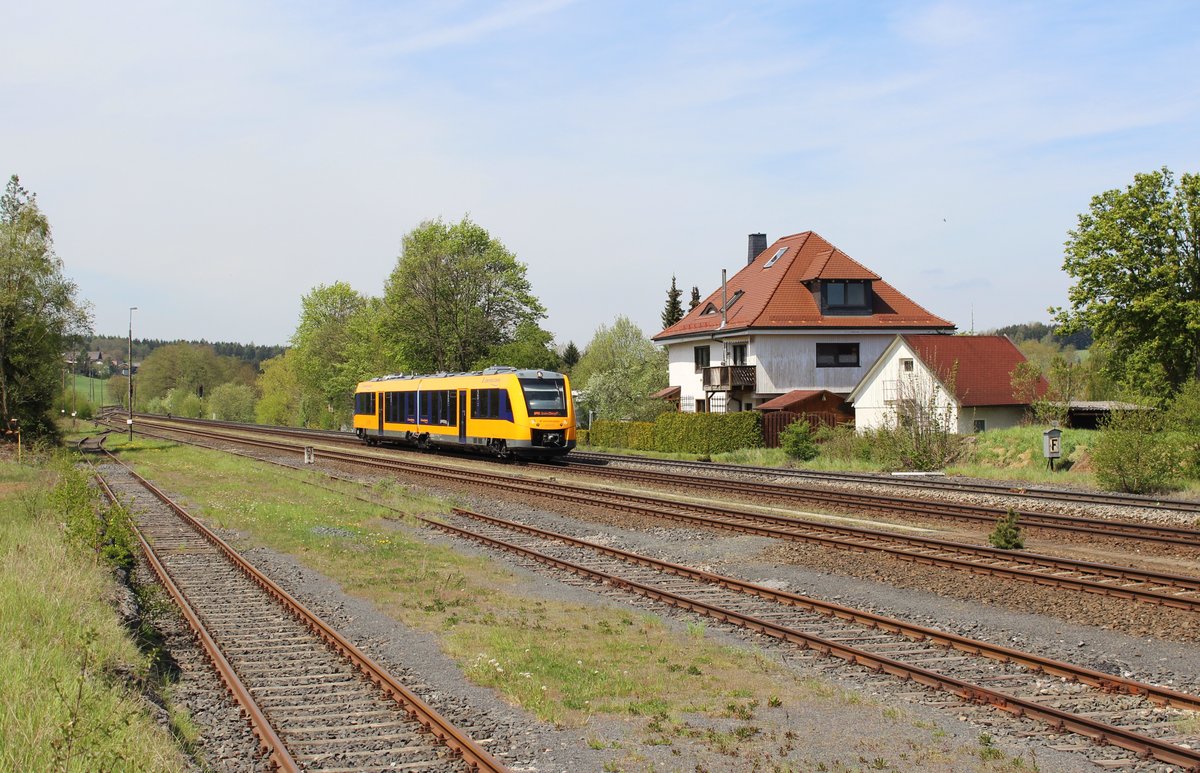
[
  {"x": 980, "y": 367},
  {"x": 771, "y": 292},
  {"x": 788, "y": 401},
  {"x": 669, "y": 393}
]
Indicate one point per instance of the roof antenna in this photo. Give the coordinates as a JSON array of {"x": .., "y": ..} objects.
[{"x": 724, "y": 303}]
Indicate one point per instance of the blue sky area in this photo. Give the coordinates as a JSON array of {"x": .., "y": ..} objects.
[{"x": 211, "y": 163}]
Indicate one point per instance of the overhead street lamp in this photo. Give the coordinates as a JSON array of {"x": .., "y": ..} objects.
[{"x": 129, "y": 362}]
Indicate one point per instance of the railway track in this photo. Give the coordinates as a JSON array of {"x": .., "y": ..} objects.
[
  {"x": 901, "y": 505},
  {"x": 838, "y": 499},
  {"x": 923, "y": 483},
  {"x": 1167, "y": 590},
  {"x": 1111, "y": 711},
  {"x": 313, "y": 699}
]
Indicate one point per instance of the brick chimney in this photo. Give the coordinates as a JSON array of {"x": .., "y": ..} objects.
[{"x": 758, "y": 243}]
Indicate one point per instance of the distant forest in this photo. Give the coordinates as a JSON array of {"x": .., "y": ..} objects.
[
  {"x": 116, "y": 347},
  {"x": 1038, "y": 331}
]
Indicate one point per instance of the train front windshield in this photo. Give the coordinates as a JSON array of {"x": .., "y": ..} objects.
[{"x": 545, "y": 396}]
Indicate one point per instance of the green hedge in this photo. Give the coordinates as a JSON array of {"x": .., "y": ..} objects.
[
  {"x": 637, "y": 435},
  {"x": 707, "y": 433},
  {"x": 690, "y": 433}
]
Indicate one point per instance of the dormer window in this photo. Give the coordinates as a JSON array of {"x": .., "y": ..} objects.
[
  {"x": 775, "y": 257},
  {"x": 846, "y": 296},
  {"x": 712, "y": 307}
]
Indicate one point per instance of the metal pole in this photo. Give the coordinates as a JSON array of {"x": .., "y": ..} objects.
[{"x": 130, "y": 363}]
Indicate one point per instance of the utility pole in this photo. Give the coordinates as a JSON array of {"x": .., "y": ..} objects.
[{"x": 129, "y": 421}]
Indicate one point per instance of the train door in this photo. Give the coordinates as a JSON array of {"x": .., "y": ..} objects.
[
  {"x": 380, "y": 398},
  {"x": 462, "y": 416}
]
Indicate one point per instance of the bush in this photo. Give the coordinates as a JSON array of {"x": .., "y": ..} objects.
[
  {"x": 797, "y": 441},
  {"x": 635, "y": 435},
  {"x": 1007, "y": 534},
  {"x": 843, "y": 443},
  {"x": 1131, "y": 454},
  {"x": 707, "y": 433}
]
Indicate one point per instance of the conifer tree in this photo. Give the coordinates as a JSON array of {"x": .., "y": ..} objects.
[
  {"x": 695, "y": 298},
  {"x": 674, "y": 310}
]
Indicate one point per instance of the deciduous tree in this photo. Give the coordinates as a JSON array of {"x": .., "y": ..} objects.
[
  {"x": 281, "y": 394},
  {"x": 1135, "y": 258},
  {"x": 455, "y": 294},
  {"x": 39, "y": 314},
  {"x": 532, "y": 347},
  {"x": 619, "y": 371},
  {"x": 322, "y": 349}
]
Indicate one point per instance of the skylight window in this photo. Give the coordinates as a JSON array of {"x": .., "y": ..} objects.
[{"x": 776, "y": 257}]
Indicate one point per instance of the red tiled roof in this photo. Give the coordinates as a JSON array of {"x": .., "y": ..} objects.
[
  {"x": 777, "y": 297},
  {"x": 982, "y": 366},
  {"x": 788, "y": 399}
]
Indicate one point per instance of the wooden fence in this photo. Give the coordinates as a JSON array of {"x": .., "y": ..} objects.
[{"x": 775, "y": 422}]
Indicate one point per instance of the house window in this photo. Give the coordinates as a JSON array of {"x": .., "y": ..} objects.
[
  {"x": 846, "y": 294},
  {"x": 701, "y": 405},
  {"x": 978, "y": 425},
  {"x": 700, "y": 353},
  {"x": 775, "y": 257},
  {"x": 906, "y": 365},
  {"x": 837, "y": 355},
  {"x": 738, "y": 354}
]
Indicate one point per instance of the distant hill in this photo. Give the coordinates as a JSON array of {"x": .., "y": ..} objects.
[
  {"x": 1039, "y": 331},
  {"x": 115, "y": 347}
]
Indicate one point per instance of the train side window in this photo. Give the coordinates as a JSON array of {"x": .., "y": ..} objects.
[{"x": 451, "y": 408}]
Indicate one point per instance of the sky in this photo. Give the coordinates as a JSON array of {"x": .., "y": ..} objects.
[{"x": 211, "y": 163}]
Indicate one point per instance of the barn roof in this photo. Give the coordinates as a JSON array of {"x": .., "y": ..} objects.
[{"x": 979, "y": 367}]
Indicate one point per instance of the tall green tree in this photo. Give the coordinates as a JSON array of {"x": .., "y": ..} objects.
[
  {"x": 455, "y": 295},
  {"x": 40, "y": 317},
  {"x": 674, "y": 309},
  {"x": 1135, "y": 259},
  {"x": 188, "y": 368},
  {"x": 695, "y": 299},
  {"x": 322, "y": 349},
  {"x": 280, "y": 404},
  {"x": 619, "y": 371},
  {"x": 531, "y": 347},
  {"x": 570, "y": 355}
]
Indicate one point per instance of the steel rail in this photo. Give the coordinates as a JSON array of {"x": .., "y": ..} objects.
[
  {"x": 269, "y": 741},
  {"x": 1100, "y": 732},
  {"x": 948, "y": 484},
  {"x": 473, "y": 755},
  {"x": 785, "y": 527},
  {"x": 882, "y": 479},
  {"x": 1163, "y": 696},
  {"x": 1174, "y": 535},
  {"x": 841, "y": 499}
]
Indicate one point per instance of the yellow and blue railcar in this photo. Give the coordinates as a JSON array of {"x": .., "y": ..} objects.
[{"x": 504, "y": 411}]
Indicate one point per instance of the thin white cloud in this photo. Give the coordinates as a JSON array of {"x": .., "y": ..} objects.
[{"x": 459, "y": 33}]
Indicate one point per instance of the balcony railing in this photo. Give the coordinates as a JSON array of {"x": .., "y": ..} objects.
[{"x": 729, "y": 378}]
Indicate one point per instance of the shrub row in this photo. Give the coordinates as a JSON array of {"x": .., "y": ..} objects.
[{"x": 692, "y": 433}]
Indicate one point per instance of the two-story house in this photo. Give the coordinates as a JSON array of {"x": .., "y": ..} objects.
[{"x": 801, "y": 314}]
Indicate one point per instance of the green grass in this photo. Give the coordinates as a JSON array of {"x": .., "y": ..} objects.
[{"x": 67, "y": 667}]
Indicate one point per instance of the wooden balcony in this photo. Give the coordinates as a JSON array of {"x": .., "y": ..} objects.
[{"x": 729, "y": 378}]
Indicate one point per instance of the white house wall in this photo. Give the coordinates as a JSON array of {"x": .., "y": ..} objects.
[
  {"x": 994, "y": 417},
  {"x": 788, "y": 362},
  {"x": 681, "y": 369},
  {"x": 873, "y": 409}
]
